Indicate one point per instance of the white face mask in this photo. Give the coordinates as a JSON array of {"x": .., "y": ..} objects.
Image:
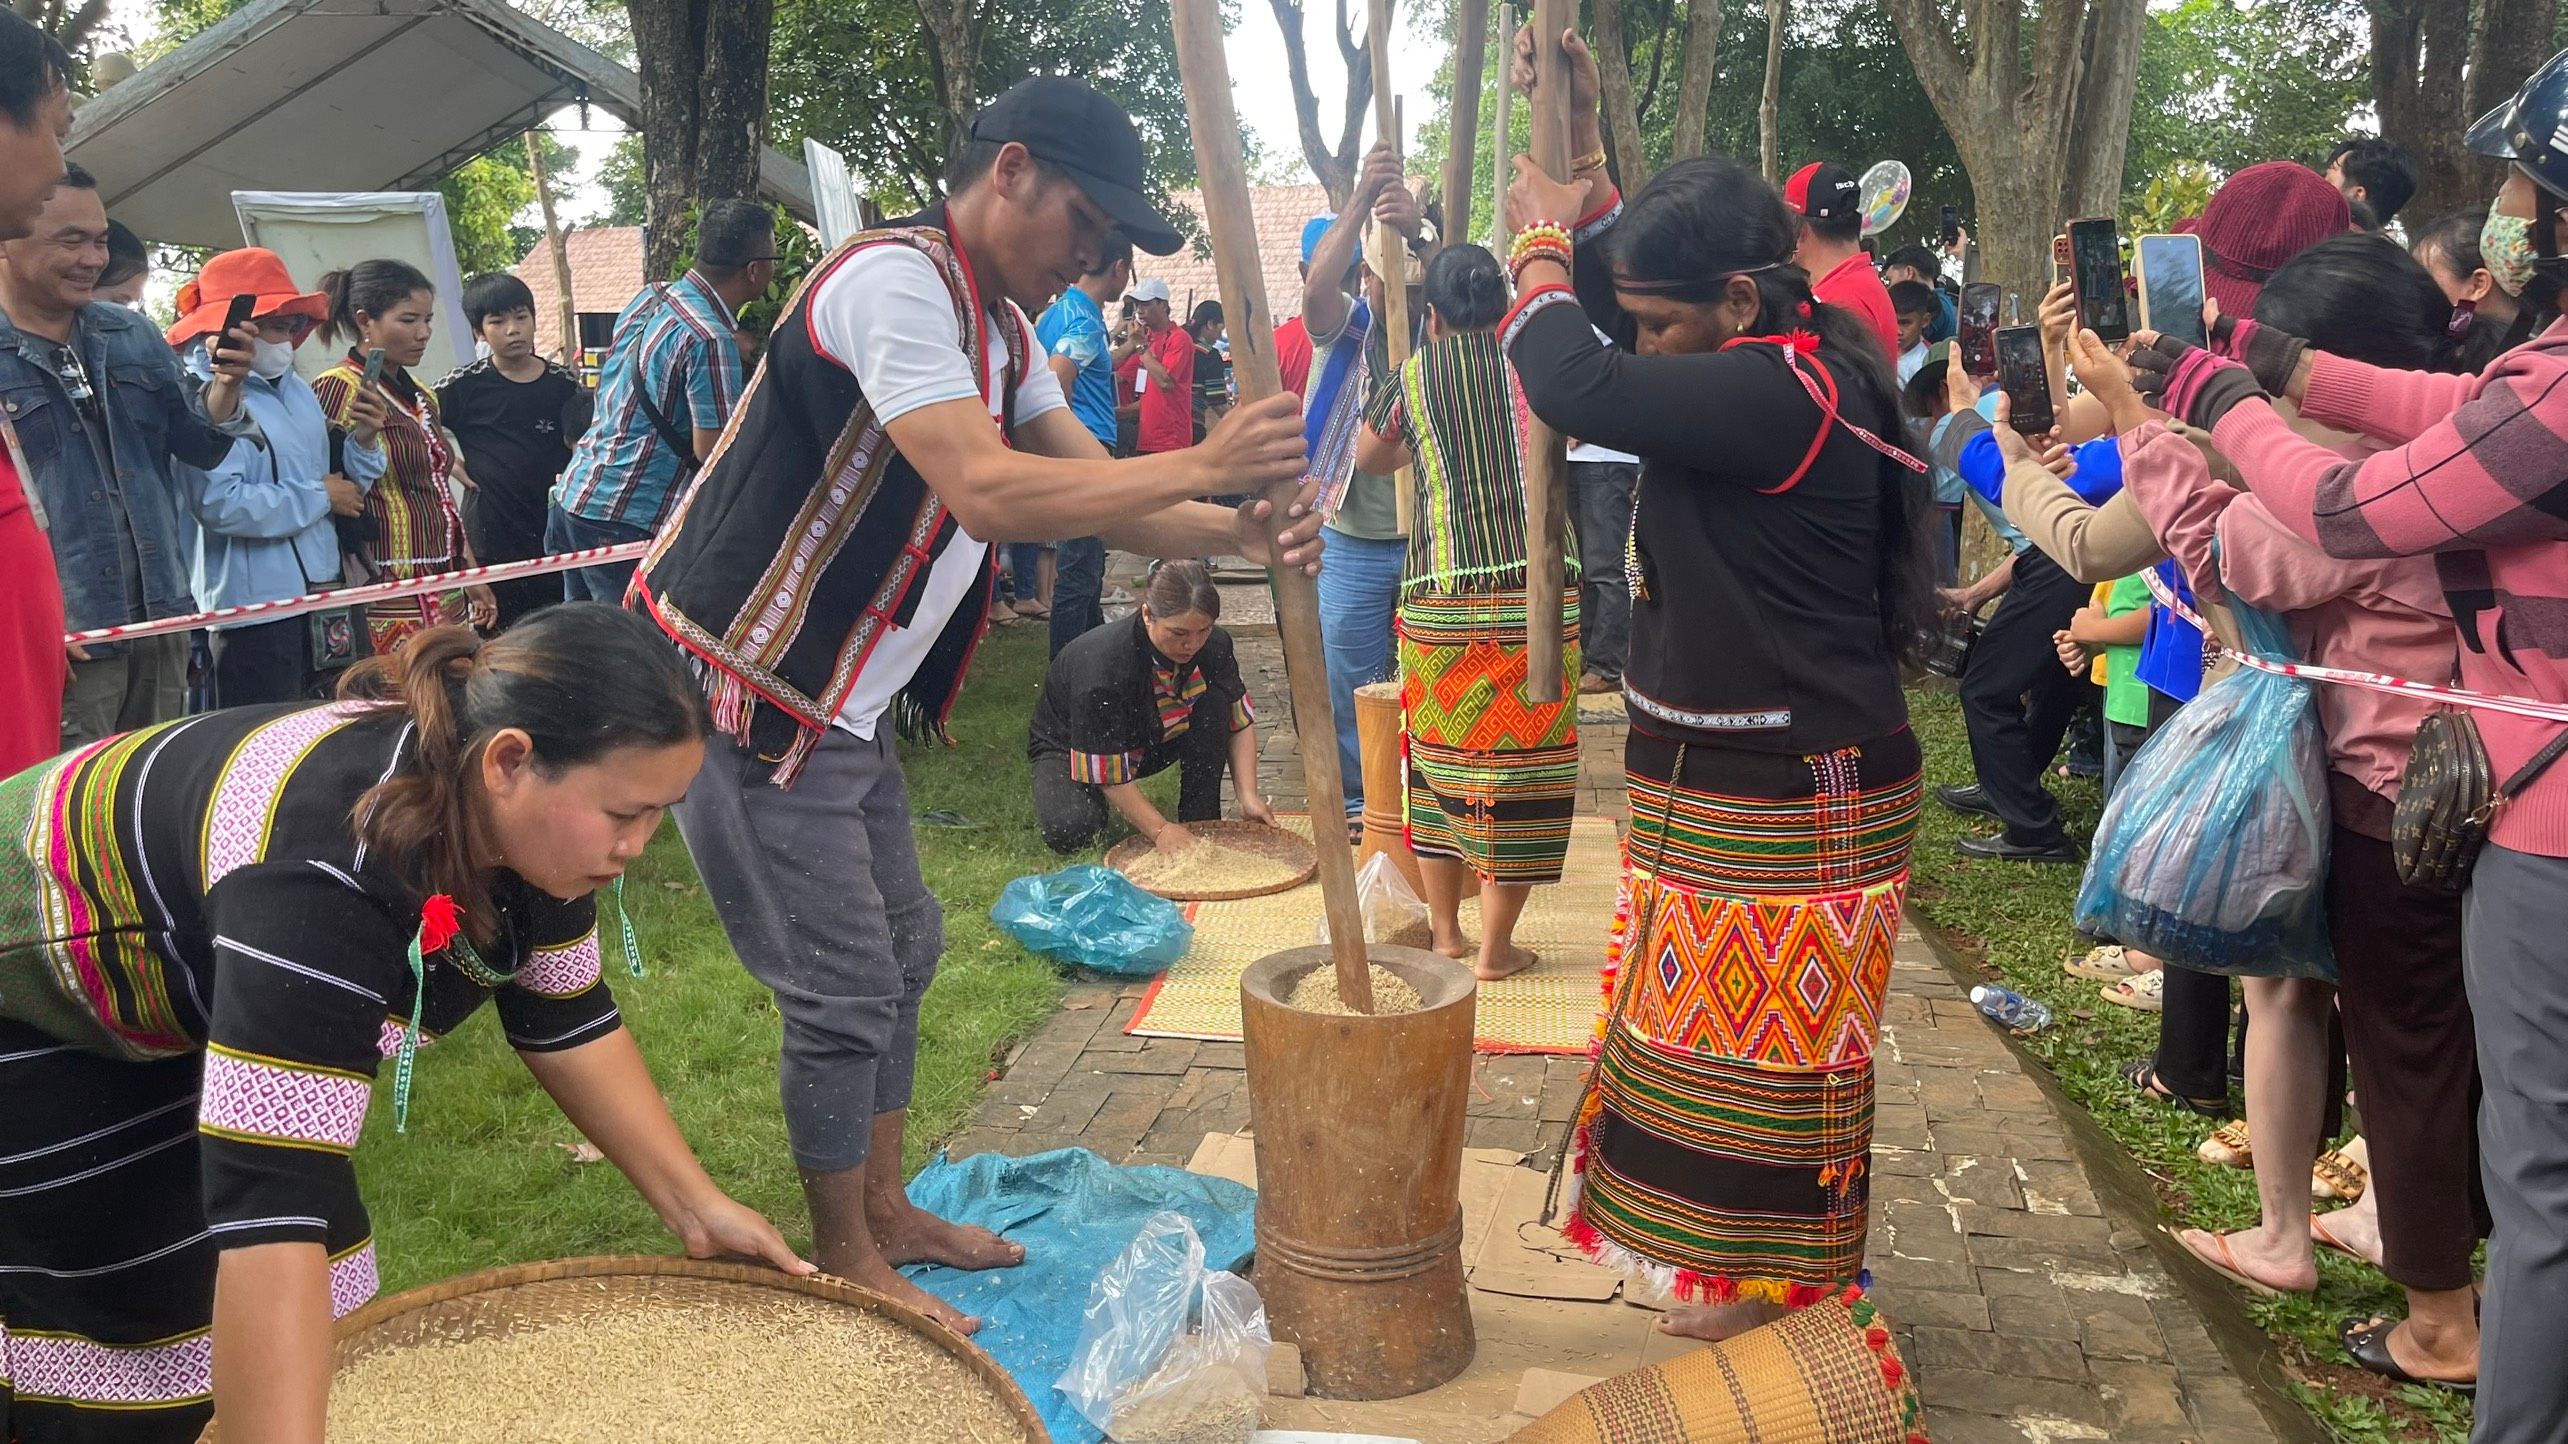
[{"x": 271, "y": 359}]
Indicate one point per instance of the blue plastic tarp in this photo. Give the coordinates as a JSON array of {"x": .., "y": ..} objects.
[{"x": 1073, "y": 1212}]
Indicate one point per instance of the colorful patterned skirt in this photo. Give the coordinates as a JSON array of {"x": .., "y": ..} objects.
[
  {"x": 389, "y": 624},
  {"x": 1490, "y": 780},
  {"x": 1722, "y": 1146}
]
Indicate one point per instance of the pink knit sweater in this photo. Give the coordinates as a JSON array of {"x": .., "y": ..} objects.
[{"x": 2476, "y": 476}]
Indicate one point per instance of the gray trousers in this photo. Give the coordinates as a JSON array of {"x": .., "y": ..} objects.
[
  {"x": 137, "y": 684},
  {"x": 819, "y": 891},
  {"x": 2517, "y": 968}
]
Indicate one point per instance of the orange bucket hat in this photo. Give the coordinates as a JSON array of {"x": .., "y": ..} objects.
[{"x": 253, "y": 270}]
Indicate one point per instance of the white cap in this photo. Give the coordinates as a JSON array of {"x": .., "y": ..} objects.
[{"x": 1153, "y": 289}]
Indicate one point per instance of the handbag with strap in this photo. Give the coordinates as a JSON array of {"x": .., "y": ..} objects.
[
  {"x": 2448, "y": 799},
  {"x": 337, "y": 636}
]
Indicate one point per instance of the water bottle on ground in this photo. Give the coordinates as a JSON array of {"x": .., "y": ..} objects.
[{"x": 2011, "y": 1008}]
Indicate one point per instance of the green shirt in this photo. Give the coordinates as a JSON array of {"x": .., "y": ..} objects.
[
  {"x": 1454, "y": 409},
  {"x": 2126, "y": 697}
]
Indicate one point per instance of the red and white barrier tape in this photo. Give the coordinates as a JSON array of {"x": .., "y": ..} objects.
[
  {"x": 371, "y": 592},
  {"x": 2537, "y": 710}
]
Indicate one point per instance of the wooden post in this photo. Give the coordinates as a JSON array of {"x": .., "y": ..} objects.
[
  {"x": 1205, "y": 73},
  {"x": 1546, "y": 456},
  {"x": 569, "y": 312},
  {"x": 1502, "y": 164},
  {"x": 1390, "y": 249},
  {"x": 1470, "y": 57}
]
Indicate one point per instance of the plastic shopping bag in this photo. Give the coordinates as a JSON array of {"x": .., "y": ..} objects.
[
  {"x": 1394, "y": 915},
  {"x": 1171, "y": 1352},
  {"x": 2213, "y": 850},
  {"x": 1096, "y": 918}
]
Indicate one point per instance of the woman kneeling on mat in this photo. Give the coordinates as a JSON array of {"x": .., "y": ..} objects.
[
  {"x": 213, "y": 932},
  {"x": 1492, "y": 776},
  {"x": 1125, "y": 702}
]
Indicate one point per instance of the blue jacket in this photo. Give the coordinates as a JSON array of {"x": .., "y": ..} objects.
[
  {"x": 154, "y": 417},
  {"x": 268, "y": 534}
]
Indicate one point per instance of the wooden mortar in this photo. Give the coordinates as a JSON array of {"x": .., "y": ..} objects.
[
  {"x": 1377, "y": 742},
  {"x": 1359, "y": 1122}
]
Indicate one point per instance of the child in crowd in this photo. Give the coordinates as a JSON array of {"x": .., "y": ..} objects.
[
  {"x": 516, "y": 415},
  {"x": 1914, "y": 303}
]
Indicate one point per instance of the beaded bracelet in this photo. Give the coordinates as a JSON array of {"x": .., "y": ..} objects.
[
  {"x": 1524, "y": 257},
  {"x": 1543, "y": 240}
]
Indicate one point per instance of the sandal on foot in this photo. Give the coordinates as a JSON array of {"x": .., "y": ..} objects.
[
  {"x": 2144, "y": 1079},
  {"x": 2141, "y": 992},
  {"x": 2228, "y": 1146},
  {"x": 2105, "y": 964},
  {"x": 2341, "y": 1173},
  {"x": 2225, "y": 1264},
  {"x": 2367, "y": 1343},
  {"x": 2325, "y": 1238}
]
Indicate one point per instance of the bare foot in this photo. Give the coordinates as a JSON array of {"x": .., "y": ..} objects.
[
  {"x": 908, "y": 1234},
  {"x": 2449, "y": 1360},
  {"x": 2354, "y": 1232},
  {"x": 1713, "y": 1323},
  {"x": 884, "y": 1278},
  {"x": 2250, "y": 1258},
  {"x": 1506, "y": 965},
  {"x": 1452, "y": 945}
]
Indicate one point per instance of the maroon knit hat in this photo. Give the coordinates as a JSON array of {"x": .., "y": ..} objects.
[{"x": 2261, "y": 217}]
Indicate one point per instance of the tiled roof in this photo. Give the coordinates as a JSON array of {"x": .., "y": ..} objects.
[{"x": 606, "y": 272}]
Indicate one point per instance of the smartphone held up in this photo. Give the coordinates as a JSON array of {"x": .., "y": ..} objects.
[
  {"x": 2095, "y": 264},
  {"x": 2169, "y": 269},
  {"x": 1977, "y": 328},
  {"x": 2025, "y": 378}
]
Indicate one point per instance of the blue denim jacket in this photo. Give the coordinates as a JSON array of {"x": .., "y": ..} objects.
[
  {"x": 154, "y": 417},
  {"x": 266, "y": 514}
]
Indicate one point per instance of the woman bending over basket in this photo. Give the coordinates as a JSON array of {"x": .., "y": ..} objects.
[
  {"x": 1126, "y": 702},
  {"x": 1779, "y": 570},
  {"x": 213, "y": 932}
]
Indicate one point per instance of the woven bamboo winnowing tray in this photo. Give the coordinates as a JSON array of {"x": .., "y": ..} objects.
[
  {"x": 503, "y": 1300},
  {"x": 1288, "y": 848}
]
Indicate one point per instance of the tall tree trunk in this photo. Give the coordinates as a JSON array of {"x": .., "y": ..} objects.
[
  {"x": 703, "y": 67},
  {"x": 2094, "y": 184},
  {"x": 2419, "y": 48},
  {"x": 1694, "y": 84},
  {"x": 1613, "y": 48},
  {"x": 2507, "y": 39},
  {"x": 1770, "y": 102},
  {"x": 1333, "y": 167},
  {"x": 566, "y": 311},
  {"x": 953, "y": 56}
]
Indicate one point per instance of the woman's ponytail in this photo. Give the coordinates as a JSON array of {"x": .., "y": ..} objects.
[{"x": 421, "y": 818}]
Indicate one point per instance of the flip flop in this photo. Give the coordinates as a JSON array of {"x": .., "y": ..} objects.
[
  {"x": 2320, "y": 1235},
  {"x": 2144, "y": 1079},
  {"x": 2367, "y": 1343},
  {"x": 2227, "y": 1264},
  {"x": 2229, "y": 1146}
]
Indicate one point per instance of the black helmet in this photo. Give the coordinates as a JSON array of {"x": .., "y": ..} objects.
[{"x": 2532, "y": 128}]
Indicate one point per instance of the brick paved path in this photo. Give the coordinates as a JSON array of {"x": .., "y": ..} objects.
[{"x": 2029, "y": 1314}]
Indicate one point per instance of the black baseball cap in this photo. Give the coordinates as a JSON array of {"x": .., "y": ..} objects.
[
  {"x": 1067, "y": 125},
  {"x": 1822, "y": 190}
]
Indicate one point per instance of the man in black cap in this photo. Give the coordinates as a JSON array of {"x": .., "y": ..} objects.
[
  {"x": 829, "y": 574},
  {"x": 1830, "y": 204}
]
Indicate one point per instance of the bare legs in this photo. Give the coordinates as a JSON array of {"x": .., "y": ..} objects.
[
  {"x": 2286, "y": 1098},
  {"x": 1713, "y": 1323},
  {"x": 864, "y": 1228},
  {"x": 1501, "y": 904}
]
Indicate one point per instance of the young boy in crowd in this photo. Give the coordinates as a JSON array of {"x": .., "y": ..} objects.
[
  {"x": 517, "y": 416},
  {"x": 1914, "y": 303}
]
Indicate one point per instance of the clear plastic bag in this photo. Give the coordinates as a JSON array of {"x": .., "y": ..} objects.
[
  {"x": 1394, "y": 914},
  {"x": 2213, "y": 851},
  {"x": 1096, "y": 918},
  {"x": 1170, "y": 1352}
]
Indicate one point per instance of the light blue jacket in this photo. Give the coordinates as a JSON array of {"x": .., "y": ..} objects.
[{"x": 265, "y": 513}]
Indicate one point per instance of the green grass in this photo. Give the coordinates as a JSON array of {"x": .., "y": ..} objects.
[
  {"x": 479, "y": 1180},
  {"x": 2016, "y": 918}
]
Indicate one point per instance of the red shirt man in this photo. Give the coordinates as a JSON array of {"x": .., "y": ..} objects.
[
  {"x": 1832, "y": 250},
  {"x": 1168, "y": 363},
  {"x": 1293, "y": 355}
]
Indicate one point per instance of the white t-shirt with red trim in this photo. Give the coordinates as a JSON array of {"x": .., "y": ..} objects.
[{"x": 886, "y": 315}]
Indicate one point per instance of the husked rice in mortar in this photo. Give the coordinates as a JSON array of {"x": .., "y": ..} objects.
[
  {"x": 1318, "y": 993},
  {"x": 1209, "y": 867},
  {"x": 783, "y": 1371}
]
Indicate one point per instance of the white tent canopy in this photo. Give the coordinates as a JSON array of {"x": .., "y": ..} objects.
[{"x": 340, "y": 95}]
